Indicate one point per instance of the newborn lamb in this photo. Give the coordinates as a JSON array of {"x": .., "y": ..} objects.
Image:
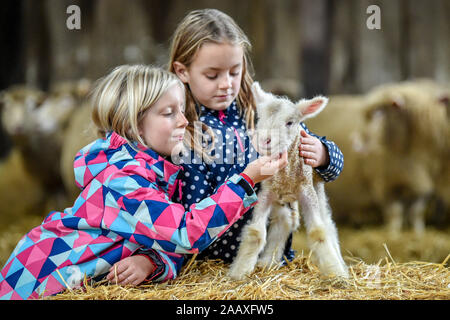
[{"x": 278, "y": 129}]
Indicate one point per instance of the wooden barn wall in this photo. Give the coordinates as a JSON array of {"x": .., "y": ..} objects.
[{"x": 323, "y": 44}]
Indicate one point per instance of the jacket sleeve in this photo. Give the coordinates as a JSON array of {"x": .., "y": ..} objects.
[
  {"x": 140, "y": 212},
  {"x": 334, "y": 168},
  {"x": 166, "y": 268}
]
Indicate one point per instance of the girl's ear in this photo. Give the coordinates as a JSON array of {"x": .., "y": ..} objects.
[{"x": 181, "y": 71}]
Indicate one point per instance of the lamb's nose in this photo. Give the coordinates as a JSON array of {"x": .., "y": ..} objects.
[{"x": 268, "y": 140}]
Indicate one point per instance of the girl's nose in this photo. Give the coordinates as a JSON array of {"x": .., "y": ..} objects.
[
  {"x": 226, "y": 82},
  {"x": 182, "y": 121}
]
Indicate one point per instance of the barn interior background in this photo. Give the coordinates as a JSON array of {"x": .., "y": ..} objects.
[{"x": 392, "y": 125}]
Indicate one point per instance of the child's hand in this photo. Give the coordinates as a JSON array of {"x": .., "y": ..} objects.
[
  {"x": 265, "y": 166},
  {"x": 313, "y": 151},
  {"x": 131, "y": 270}
]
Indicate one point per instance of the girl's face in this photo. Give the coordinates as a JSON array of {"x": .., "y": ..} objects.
[
  {"x": 214, "y": 75},
  {"x": 164, "y": 124}
]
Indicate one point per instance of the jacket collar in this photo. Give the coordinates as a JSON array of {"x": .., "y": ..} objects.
[{"x": 228, "y": 113}]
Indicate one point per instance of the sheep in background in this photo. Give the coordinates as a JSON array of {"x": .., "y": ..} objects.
[
  {"x": 394, "y": 141},
  {"x": 36, "y": 121},
  {"x": 406, "y": 138},
  {"x": 343, "y": 120},
  {"x": 440, "y": 95},
  {"x": 80, "y": 132},
  {"x": 21, "y": 194},
  {"x": 278, "y": 129}
]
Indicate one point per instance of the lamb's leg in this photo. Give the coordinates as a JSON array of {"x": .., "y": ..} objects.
[
  {"x": 253, "y": 238},
  {"x": 393, "y": 215},
  {"x": 283, "y": 221},
  {"x": 324, "y": 254},
  {"x": 417, "y": 215},
  {"x": 330, "y": 226}
]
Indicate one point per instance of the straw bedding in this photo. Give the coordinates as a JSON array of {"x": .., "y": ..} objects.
[
  {"x": 300, "y": 279},
  {"x": 381, "y": 267}
]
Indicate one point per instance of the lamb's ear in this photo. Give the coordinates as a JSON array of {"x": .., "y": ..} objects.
[
  {"x": 311, "y": 108},
  {"x": 258, "y": 93}
]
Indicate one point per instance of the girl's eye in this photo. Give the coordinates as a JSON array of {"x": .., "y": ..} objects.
[
  {"x": 289, "y": 123},
  {"x": 211, "y": 77},
  {"x": 167, "y": 112}
]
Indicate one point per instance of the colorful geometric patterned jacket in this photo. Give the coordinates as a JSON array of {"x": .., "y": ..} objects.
[{"x": 125, "y": 205}]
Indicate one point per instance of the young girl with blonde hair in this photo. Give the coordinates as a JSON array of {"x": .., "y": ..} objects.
[
  {"x": 127, "y": 183},
  {"x": 210, "y": 55}
]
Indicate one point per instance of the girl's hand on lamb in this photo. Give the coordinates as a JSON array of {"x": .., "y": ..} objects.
[
  {"x": 313, "y": 151},
  {"x": 131, "y": 270},
  {"x": 265, "y": 167}
]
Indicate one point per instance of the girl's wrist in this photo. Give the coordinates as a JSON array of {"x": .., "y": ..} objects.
[
  {"x": 154, "y": 266},
  {"x": 248, "y": 179},
  {"x": 325, "y": 158}
]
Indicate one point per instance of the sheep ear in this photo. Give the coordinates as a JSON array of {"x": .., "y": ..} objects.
[
  {"x": 444, "y": 100},
  {"x": 310, "y": 108},
  {"x": 258, "y": 93},
  {"x": 398, "y": 102}
]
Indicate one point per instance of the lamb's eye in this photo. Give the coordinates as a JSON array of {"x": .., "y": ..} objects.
[{"x": 289, "y": 123}]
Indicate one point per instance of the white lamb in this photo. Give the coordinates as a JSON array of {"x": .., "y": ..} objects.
[{"x": 278, "y": 129}]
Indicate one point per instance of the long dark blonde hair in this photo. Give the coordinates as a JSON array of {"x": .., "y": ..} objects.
[{"x": 211, "y": 26}]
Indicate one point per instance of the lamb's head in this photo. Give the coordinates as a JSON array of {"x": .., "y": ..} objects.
[{"x": 278, "y": 119}]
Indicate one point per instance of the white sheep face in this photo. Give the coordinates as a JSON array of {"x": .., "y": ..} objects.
[
  {"x": 27, "y": 112},
  {"x": 278, "y": 119}
]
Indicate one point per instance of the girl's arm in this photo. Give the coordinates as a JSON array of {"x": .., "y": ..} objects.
[
  {"x": 139, "y": 212},
  {"x": 333, "y": 168},
  {"x": 145, "y": 215}
]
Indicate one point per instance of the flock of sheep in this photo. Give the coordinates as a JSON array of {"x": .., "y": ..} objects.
[
  {"x": 395, "y": 140},
  {"x": 396, "y": 145}
]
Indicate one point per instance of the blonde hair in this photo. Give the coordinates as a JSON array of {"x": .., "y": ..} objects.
[
  {"x": 121, "y": 98},
  {"x": 211, "y": 26}
]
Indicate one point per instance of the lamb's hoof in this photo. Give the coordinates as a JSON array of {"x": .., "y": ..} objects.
[
  {"x": 343, "y": 274},
  {"x": 340, "y": 272},
  {"x": 235, "y": 275},
  {"x": 267, "y": 263}
]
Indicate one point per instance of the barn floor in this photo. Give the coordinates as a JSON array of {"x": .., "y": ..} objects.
[{"x": 381, "y": 267}]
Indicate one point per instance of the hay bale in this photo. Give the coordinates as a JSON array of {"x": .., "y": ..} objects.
[
  {"x": 299, "y": 280},
  {"x": 394, "y": 271}
]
